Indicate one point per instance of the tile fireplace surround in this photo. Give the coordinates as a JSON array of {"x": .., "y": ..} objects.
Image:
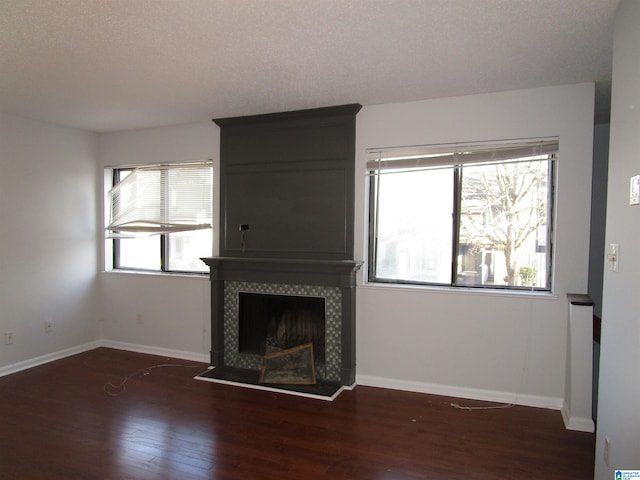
[{"x": 333, "y": 280}]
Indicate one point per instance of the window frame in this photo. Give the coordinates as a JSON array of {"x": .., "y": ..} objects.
[
  {"x": 372, "y": 240},
  {"x": 164, "y": 246}
]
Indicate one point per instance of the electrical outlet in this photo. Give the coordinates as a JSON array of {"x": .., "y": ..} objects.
[
  {"x": 607, "y": 452},
  {"x": 8, "y": 338},
  {"x": 139, "y": 320},
  {"x": 48, "y": 325}
]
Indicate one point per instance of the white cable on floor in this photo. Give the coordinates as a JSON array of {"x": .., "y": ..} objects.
[{"x": 121, "y": 387}]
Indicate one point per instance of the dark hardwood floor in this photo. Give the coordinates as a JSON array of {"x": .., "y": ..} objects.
[{"x": 57, "y": 422}]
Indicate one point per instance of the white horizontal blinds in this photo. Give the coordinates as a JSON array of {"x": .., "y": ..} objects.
[
  {"x": 425, "y": 157},
  {"x": 162, "y": 199}
]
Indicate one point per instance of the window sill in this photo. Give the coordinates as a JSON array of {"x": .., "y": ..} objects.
[
  {"x": 196, "y": 276},
  {"x": 458, "y": 290}
]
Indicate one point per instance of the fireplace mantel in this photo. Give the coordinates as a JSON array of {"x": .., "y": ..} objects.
[
  {"x": 337, "y": 273},
  {"x": 324, "y": 273}
]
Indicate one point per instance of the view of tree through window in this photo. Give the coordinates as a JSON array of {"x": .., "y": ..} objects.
[
  {"x": 445, "y": 220},
  {"x": 504, "y": 219}
]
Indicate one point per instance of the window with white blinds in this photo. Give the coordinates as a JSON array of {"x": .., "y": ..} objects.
[
  {"x": 161, "y": 216},
  {"x": 467, "y": 215}
]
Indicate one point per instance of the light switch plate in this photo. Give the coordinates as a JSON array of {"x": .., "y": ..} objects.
[
  {"x": 634, "y": 191},
  {"x": 613, "y": 256}
]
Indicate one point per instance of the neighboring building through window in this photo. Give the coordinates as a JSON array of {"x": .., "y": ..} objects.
[
  {"x": 477, "y": 215},
  {"x": 161, "y": 217}
]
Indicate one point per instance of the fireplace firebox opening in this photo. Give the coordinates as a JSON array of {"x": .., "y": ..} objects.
[{"x": 271, "y": 323}]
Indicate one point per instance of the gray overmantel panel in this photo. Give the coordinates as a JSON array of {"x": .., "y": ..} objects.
[{"x": 289, "y": 178}]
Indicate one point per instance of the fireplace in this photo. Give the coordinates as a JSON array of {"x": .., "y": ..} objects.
[
  {"x": 286, "y": 241},
  {"x": 320, "y": 293}
]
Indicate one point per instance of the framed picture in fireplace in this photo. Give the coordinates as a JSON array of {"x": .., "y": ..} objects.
[{"x": 292, "y": 366}]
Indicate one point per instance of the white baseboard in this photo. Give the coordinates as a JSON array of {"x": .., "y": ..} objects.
[
  {"x": 580, "y": 424},
  {"x": 50, "y": 357},
  {"x": 552, "y": 403},
  {"x": 163, "y": 352}
]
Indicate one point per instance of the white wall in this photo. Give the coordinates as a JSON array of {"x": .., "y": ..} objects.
[
  {"x": 619, "y": 388},
  {"x": 505, "y": 347},
  {"x": 175, "y": 309},
  {"x": 48, "y": 251}
]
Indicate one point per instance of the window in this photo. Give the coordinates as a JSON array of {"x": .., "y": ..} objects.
[
  {"x": 476, "y": 216},
  {"x": 161, "y": 217}
]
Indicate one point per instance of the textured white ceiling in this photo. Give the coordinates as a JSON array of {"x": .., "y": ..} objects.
[{"x": 119, "y": 64}]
